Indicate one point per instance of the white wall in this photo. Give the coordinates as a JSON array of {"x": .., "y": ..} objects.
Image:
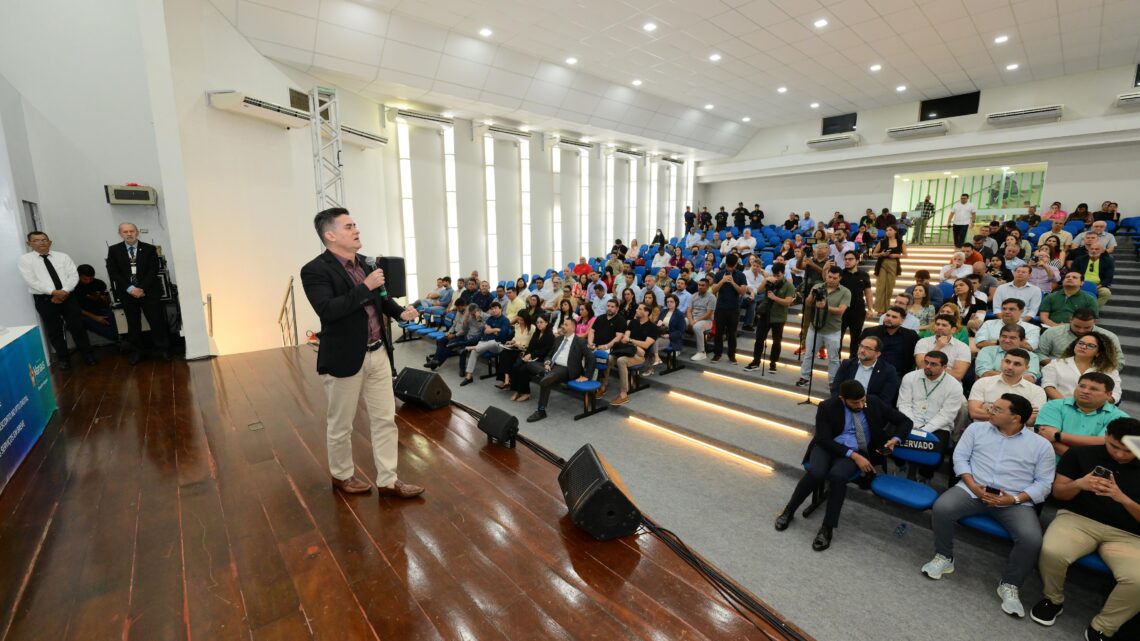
[
  {"x": 472, "y": 205},
  {"x": 541, "y": 206},
  {"x": 430, "y": 207},
  {"x": 508, "y": 214},
  {"x": 18, "y": 308}
]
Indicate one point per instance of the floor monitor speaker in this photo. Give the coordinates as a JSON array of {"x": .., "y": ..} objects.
[
  {"x": 596, "y": 497},
  {"x": 422, "y": 387},
  {"x": 499, "y": 426}
]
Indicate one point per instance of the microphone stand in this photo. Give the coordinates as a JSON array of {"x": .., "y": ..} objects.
[{"x": 816, "y": 324}]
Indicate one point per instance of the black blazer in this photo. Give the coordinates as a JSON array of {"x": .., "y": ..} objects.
[
  {"x": 883, "y": 420},
  {"x": 580, "y": 361},
  {"x": 1107, "y": 266},
  {"x": 884, "y": 381},
  {"x": 340, "y": 305},
  {"x": 541, "y": 346},
  {"x": 146, "y": 268}
]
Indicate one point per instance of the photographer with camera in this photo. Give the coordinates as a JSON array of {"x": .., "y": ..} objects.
[
  {"x": 827, "y": 301},
  {"x": 1042, "y": 273},
  {"x": 771, "y": 314}
]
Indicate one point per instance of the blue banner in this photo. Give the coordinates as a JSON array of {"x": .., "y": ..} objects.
[{"x": 27, "y": 399}]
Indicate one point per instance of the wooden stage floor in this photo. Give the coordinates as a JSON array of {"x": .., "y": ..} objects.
[{"x": 192, "y": 501}]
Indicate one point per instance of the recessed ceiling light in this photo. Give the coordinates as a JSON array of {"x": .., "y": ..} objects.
[
  {"x": 897, "y": 176},
  {"x": 876, "y": 67},
  {"x": 485, "y": 32},
  {"x": 821, "y": 23},
  {"x": 649, "y": 26},
  {"x": 571, "y": 60},
  {"x": 782, "y": 90},
  {"x": 945, "y": 173},
  {"x": 900, "y": 88},
  {"x": 746, "y": 119},
  {"x": 932, "y": 115},
  {"x": 709, "y": 106},
  {"x": 715, "y": 57},
  {"x": 1001, "y": 40},
  {"x": 636, "y": 83},
  {"x": 814, "y": 105},
  {"x": 1011, "y": 66}
]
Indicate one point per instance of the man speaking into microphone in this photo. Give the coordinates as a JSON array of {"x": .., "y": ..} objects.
[{"x": 348, "y": 295}]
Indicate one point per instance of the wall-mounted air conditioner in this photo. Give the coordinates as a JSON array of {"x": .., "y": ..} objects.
[
  {"x": 1128, "y": 99},
  {"x": 1018, "y": 116},
  {"x": 130, "y": 194},
  {"x": 572, "y": 142},
  {"x": 418, "y": 117},
  {"x": 361, "y": 139},
  {"x": 238, "y": 102},
  {"x": 928, "y": 128},
  {"x": 629, "y": 152},
  {"x": 834, "y": 142}
]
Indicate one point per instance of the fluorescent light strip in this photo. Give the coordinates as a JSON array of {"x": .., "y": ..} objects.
[
  {"x": 761, "y": 386},
  {"x": 524, "y": 199},
  {"x": 556, "y": 214},
  {"x": 451, "y": 201},
  {"x": 699, "y": 443},
  {"x": 583, "y": 205},
  {"x": 492, "y": 216},
  {"x": 631, "y": 198},
  {"x": 407, "y": 209},
  {"x": 756, "y": 419}
]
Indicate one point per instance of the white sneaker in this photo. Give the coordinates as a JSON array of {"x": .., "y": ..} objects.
[
  {"x": 699, "y": 356},
  {"x": 938, "y": 566},
  {"x": 1010, "y": 602}
]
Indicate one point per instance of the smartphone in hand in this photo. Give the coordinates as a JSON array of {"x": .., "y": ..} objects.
[{"x": 992, "y": 490}]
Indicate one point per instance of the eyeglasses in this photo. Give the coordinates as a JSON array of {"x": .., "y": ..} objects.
[{"x": 1087, "y": 345}]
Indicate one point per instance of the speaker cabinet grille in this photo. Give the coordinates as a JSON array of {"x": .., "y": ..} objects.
[
  {"x": 422, "y": 388},
  {"x": 596, "y": 497}
]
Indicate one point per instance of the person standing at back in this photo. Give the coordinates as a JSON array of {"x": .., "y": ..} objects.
[
  {"x": 728, "y": 286},
  {"x": 132, "y": 266},
  {"x": 51, "y": 278},
  {"x": 962, "y": 215}
]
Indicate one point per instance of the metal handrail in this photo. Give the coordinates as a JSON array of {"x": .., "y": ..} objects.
[
  {"x": 209, "y": 314},
  {"x": 287, "y": 317}
]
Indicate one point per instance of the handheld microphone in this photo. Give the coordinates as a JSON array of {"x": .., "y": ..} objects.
[{"x": 371, "y": 262}]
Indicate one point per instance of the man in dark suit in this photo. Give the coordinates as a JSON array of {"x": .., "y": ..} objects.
[
  {"x": 877, "y": 376},
  {"x": 898, "y": 341},
  {"x": 851, "y": 434},
  {"x": 132, "y": 266},
  {"x": 348, "y": 296},
  {"x": 570, "y": 360}
]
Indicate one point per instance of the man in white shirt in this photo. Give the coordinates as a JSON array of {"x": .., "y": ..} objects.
[
  {"x": 51, "y": 276},
  {"x": 986, "y": 390},
  {"x": 956, "y": 269},
  {"x": 1012, "y": 311},
  {"x": 728, "y": 244},
  {"x": 755, "y": 278},
  {"x": 1099, "y": 231},
  {"x": 651, "y": 286},
  {"x": 693, "y": 239},
  {"x": 962, "y": 215},
  {"x": 840, "y": 247},
  {"x": 932, "y": 399},
  {"x": 957, "y": 353},
  {"x": 1019, "y": 288},
  {"x": 600, "y": 299},
  {"x": 747, "y": 244}
]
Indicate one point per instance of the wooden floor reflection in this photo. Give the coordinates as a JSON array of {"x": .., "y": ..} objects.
[{"x": 192, "y": 501}]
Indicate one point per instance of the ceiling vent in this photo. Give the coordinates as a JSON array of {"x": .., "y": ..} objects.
[
  {"x": 238, "y": 102},
  {"x": 1018, "y": 116},
  {"x": 1128, "y": 99},
  {"x": 834, "y": 142},
  {"x": 928, "y": 128}
]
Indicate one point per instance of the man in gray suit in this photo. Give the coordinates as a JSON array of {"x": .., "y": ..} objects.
[{"x": 571, "y": 360}]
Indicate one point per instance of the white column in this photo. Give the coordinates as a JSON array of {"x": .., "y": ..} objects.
[
  {"x": 471, "y": 201},
  {"x": 508, "y": 208}
]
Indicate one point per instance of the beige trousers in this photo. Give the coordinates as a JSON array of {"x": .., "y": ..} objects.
[
  {"x": 374, "y": 383},
  {"x": 1071, "y": 536}
]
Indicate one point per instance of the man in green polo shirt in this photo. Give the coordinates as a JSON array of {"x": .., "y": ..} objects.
[
  {"x": 1058, "y": 307},
  {"x": 1081, "y": 420}
]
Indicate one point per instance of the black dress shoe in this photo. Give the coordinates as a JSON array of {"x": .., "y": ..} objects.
[
  {"x": 536, "y": 417},
  {"x": 822, "y": 539},
  {"x": 432, "y": 365},
  {"x": 784, "y": 520},
  {"x": 466, "y": 381}
]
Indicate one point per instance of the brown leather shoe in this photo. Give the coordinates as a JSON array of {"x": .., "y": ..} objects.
[
  {"x": 401, "y": 490},
  {"x": 352, "y": 485}
]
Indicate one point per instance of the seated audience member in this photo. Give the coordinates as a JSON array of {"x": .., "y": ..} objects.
[
  {"x": 651, "y": 286},
  {"x": 728, "y": 244},
  {"x": 981, "y": 247},
  {"x": 700, "y": 316},
  {"x": 983, "y": 283},
  {"x": 1081, "y": 419},
  {"x": 1012, "y": 312},
  {"x": 583, "y": 267},
  {"x": 1056, "y": 339},
  {"x": 693, "y": 240},
  {"x": 1011, "y": 254},
  {"x": 607, "y": 330},
  {"x": 95, "y": 304},
  {"x": 971, "y": 306},
  {"x": 570, "y": 359},
  {"x": 1005, "y": 470},
  {"x": 943, "y": 340},
  {"x": 522, "y": 330},
  {"x": 746, "y": 244},
  {"x": 956, "y": 269},
  {"x": 538, "y": 349},
  {"x": 1091, "y": 353},
  {"x": 438, "y": 297},
  {"x": 998, "y": 270},
  {"x": 922, "y": 277},
  {"x": 932, "y": 399},
  {"x": 970, "y": 255},
  {"x": 1019, "y": 288},
  {"x": 683, "y": 294},
  {"x": 989, "y": 360},
  {"x": 778, "y": 294},
  {"x": 496, "y": 331},
  {"x": 850, "y": 432},
  {"x": 1012, "y": 380},
  {"x": 465, "y": 331},
  {"x": 1058, "y": 307},
  {"x": 642, "y": 335},
  {"x": 1058, "y": 230},
  {"x": 670, "y": 327},
  {"x": 1042, "y": 273},
  {"x": 898, "y": 341},
  {"x": 1099, "y": 233},
  {"x": 585, "y": 319},
  {"x": 483, "y": 297},
  {"x": 1099, "y": 268},
  {"x": 660, "y": 259},
  {"x": 877, "y": 376},
  {"x": 598, "y": 305},
  {"x": 533, "y": 308},
  {"x": 565, "y": 310},
  {"x": 628, "y": 305},
  {"x": 1098, "y": 487},
  {"x": 515, "y": 304},
  {"x": 903, "y": 301},
  {"x": 959, "y": 330},
  {"x": 615, "y": 262}
]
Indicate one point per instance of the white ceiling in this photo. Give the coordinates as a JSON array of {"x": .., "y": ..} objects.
[{"x": 430, "y": 50}]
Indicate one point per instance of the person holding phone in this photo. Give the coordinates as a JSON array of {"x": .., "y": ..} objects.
[{"x": 1099, "y": 490}]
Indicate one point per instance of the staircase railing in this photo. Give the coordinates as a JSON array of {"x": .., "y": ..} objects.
[{"x": 287, "y": 317}]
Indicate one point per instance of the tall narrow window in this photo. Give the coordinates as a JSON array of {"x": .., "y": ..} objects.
[
  {"x": 674, "y": 215},
  {"x": 408, "y": 214},
  {"x": 449, "y": 197},
  {"x": 653, "y": 210},
  {"x": 524, "y": 194},
  {"x": 584, "y": 204},
  {"x": 556, "y": 214},
  {"x": 492, "y": 218},
  {"x": 634, "y": 167},
  {"x": 609, "y": 199},
  {"x": 690, "y": 181}
]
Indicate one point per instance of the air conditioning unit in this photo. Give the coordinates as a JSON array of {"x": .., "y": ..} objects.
[
  {"x": 834, "y": 142},
  {"x": 130, "y": 194},
  {"x": 1018, "y": 116},
  {"x": 928, "y": 128},
  {"x": 507, "y": 131},
  {"x": 361, "y": 139},
  {"x": 629, "y": 152},
  {"x": 575, "y": 143},
  {"x": 238, "y": 102},
  {"x": 419, "y": 117},
  {"x": 1128, "y": 99}
]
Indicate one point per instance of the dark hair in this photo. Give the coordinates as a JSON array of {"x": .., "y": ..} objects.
[
  {"x": 834, "y": 270},
  {"x": 950, "y": 320},
  {"x": 898, "y": 310},
  {"x": 731, "y": 260},
  {"x": 1013, "y": 328},
  {"x": 326, "y": 219},
  {"x": 85, "y": 270},
  {"x": 923, "y": 274},
  {"x": 878, "y": 342},
  {"x": 940, "y": 356},
  {"x": 1084, "y": 314},
  {"x": 1099, "y": 377},
  {"x": 852, "y": 390},
  {"x": 1018, "y": 406},
  {"x": 1118, "y": 428},
  {"x": 494, "y": 304},
  {"x": 36, "y": 233},
  {"x": 1105, "y": 360},
  {"x": 1017, "y": 352},
  {"x": 851, "y": 253},
  {"x": 673, "y": 297},
  {"x": 1015, "y": 301},
  {"x": 777, "y": 268}
]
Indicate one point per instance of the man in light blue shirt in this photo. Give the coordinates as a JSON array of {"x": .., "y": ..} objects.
[
  {"x": 807, "y": 225},
  {"x": 683, "y": 295},
  {"x": 988, "y": 361},
  {"x": 651, "y": 286},
  {"x": 1005, "y": 469}
]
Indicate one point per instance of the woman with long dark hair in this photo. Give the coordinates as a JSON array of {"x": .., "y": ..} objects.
[
  {"x": 512, "y": 349},
  {"x": 628, "y": 305},
  {"x": 537, "y": 351},
  {"x": 1089, "y": 353},
  {"x": 887, "y": 254}
]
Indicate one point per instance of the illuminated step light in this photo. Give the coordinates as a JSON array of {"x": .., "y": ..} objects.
[
  {"x": 741, "y": 415},
  {"x": 764, "y": 388},
  {"x": 701, "y": 444}
]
